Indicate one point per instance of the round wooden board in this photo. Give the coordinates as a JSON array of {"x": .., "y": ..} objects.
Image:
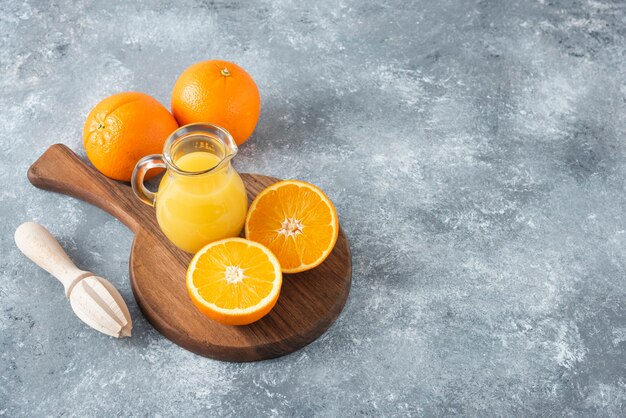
[{"x": 309, "y": 302}]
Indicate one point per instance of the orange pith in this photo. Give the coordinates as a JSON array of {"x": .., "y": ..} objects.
[
  {"x": 296, "y": 221},
  {"x": 234, "y": 281}
]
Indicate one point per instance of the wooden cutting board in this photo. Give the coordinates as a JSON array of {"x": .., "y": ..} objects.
[{"x": 309, "y": 302}]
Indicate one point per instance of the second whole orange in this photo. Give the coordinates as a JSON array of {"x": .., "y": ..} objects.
[
  {"x": 218, "y": 92},
  {"x": 122, "y": 129}
]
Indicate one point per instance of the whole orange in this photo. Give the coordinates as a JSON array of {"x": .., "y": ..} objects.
[
  {"x": 218, "y": 92},
  {"x": 122, "y": 129}
]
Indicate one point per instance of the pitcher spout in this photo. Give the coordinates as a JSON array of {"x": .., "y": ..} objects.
[{"x": 231, "y": 147}]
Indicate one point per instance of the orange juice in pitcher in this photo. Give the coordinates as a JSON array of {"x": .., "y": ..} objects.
[{"x": 201, "y": 197}]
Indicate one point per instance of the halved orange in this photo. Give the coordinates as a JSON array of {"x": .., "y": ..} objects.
[
  {"x": 234, "y": 281},
  {"x": 296, "y": 221}
]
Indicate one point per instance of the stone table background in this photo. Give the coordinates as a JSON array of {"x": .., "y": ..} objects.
[{"x": 476, "y": 154}]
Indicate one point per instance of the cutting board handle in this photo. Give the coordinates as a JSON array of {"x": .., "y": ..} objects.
[{"x": 60, "y": 170}]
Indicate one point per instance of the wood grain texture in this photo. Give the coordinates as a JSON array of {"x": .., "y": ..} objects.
[{"x": 309, "y": 302}]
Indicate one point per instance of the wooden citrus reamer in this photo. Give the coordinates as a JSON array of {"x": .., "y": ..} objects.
[{"x": 94, "y": 299}]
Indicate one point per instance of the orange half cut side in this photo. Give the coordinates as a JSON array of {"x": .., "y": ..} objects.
[
  {"x": 296, "y": 221},
  {"x": 234, "y": 281}
]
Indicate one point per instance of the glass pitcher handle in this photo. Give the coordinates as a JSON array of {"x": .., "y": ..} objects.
[{"x": 142, "y": 167}]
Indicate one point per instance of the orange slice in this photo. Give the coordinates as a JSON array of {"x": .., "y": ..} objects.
[
  {"x": 296, "y": 221},
  {"x": 234, "y": 281}
]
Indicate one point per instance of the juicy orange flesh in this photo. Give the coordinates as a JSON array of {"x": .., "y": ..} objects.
[
  {"x": 210, "y": 276},
  {"x": 293, "y": 202}
]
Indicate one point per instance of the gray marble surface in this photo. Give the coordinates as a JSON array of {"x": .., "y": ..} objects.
[{"x": 475, "y": 151}]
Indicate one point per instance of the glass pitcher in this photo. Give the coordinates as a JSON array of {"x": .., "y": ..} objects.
[{"x": 201, "y": 197}]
